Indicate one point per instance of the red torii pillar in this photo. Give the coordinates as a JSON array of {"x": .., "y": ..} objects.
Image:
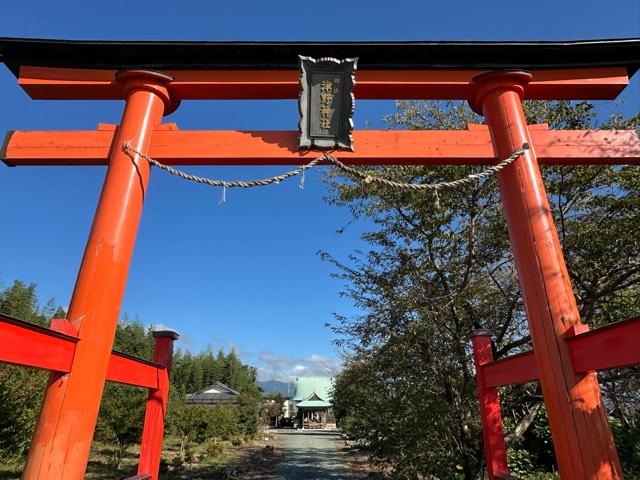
[
  {"x": 62, "y": 440},
  {"x": 490, "y": 412},
  {"x": 156, "y": 411},
  {"x": 582, "y": 438}
]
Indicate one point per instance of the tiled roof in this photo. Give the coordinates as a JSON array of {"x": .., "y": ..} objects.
[
  {"x": 211, "y": 398},
  {"x": 218, "y": 393}
]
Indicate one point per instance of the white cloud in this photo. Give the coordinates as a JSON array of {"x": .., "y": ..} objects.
[
  {"x": 286, "y": 368},
  {"x": 298, "y": 369},
  {"x": 270, "y": 366},
  {"x": 184, "y": 340},
  {"x": 216, "y": 343},
  {"x": 162, "y": 326}
]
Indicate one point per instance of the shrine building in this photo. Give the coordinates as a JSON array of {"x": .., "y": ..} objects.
[{"x": 313, "y": 400}]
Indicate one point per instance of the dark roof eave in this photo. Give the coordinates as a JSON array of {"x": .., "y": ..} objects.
[{"x": 160, "y": 55}]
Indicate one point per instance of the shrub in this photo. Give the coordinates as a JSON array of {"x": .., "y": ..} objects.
[
  {"x": 213, "y": 449},
  {"x": 236, "y": 441}
]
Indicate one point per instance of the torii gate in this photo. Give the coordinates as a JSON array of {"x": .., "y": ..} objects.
[{"x": 154, "y": 77}]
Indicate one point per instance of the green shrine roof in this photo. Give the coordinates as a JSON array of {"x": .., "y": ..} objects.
[{"x": 313, "y": 391}]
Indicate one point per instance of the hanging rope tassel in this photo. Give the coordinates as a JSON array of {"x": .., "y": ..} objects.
[{"x": 223, "y": 197}]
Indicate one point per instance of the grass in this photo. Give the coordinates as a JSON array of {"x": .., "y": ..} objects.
[
  {"x": 356, "y": 461},
  {"x": 250, "y": 458}
]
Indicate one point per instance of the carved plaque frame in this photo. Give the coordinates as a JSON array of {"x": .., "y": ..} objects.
[{"x": 326, "y": 102}]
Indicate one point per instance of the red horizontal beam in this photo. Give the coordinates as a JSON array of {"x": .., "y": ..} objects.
[
  {"x": 30, "y": 345},
  {"x": 519, "y": 368},
  {"x": 457, "y": 147},
  {"x": 33, "y": 346},
  {"x": 613, "y": 346},
  {"x": 134, "y": 371},
  {"x": 602, "y": 83}
]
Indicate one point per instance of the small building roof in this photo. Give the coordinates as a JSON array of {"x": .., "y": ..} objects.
[
  {"x": 215, "y": 394},
  {"x": 313, "y": 389}
]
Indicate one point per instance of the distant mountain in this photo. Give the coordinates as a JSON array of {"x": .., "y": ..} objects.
[{"x": 274, "y": 386}]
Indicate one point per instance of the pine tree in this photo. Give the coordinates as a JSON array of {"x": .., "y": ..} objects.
[
  {"x": 208, "y": 367},
  {"x": 20, "y": 388},
  {"x": 196, "y": 379},
  {"x": 20, "y": 301}
]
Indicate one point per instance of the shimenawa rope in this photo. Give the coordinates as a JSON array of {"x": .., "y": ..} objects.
[{"x": 352, "y": 172}]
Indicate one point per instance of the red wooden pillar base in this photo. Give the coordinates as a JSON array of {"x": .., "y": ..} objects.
[
  {"x": 495, "y": 449},
  {"x": 581, "y": 435},
  {"x": 152, "y": 433}
]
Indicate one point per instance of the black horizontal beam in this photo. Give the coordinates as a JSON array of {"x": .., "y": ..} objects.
[{"x": 15, "y": 52}]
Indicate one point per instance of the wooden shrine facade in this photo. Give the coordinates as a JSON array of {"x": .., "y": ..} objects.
[{"x": 153, "y": 78}]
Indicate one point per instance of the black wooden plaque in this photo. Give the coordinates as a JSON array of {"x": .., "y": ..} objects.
[{"x": 326, "y": 102}]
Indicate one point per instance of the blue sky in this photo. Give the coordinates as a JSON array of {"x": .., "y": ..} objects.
[{"x": 245, "y": 273}]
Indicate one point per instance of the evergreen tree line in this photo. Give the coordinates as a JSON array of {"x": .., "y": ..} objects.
[
  {"x": 122, "y": 408},
  {"x": 432, "y": 271}
]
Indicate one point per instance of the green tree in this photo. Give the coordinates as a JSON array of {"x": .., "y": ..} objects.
[
  {"x": 211, "y": 369},
  {"x": 20, "y": 301},
  {"x": 120, "y": 419},
  {"x": 121, "y": 416},
  {"x": 233, "y": 373},
  {"x": 21, "y": 391},
  {"x": 272, "y": 409},
  {"x": 21, "y": 388},
  {"x": 181, "y": 370},
  {"x": 133, "y": 338},
  {"x": 196, "y": 380},
  {"x": 248, "y": 410},
  {"x": 436, "y": 270}
]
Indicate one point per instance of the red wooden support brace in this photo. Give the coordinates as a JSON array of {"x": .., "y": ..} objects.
[
  {"x": 582, "y": 438},
  {"x": 29, "y": 345},
  {"x": 151, "y": 446},
  {"x": 616, "y": 345},
  {"x": 519, "y": 368},
  {"x": 495, "y": 450}
]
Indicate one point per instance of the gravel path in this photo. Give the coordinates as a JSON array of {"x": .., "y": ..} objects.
[{"x": 308, "y": 455}]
